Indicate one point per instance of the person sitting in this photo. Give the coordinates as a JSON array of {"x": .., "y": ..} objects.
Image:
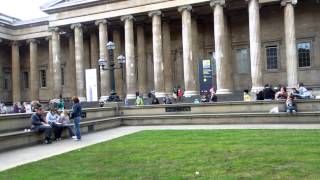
[
  {"x": 246, "y": 95},
  {"x": 53, "y": 118},
  {"x": 65, "y": 121},
  {"x": 113, "y": 97},
  {"x": 16, "y": 108},
  {"x": 179, "y": 94},
  {"x": 205, "y": 97},
  {"x": 154, "y": 100},
  {"x": 268, "y": 93},
  {"x": 60, "y": 104},
  {"x": 167, "y": 100},
  {"x": 213, "y": 96},
  {"x": 290, "y": 105},
  {"x": 39, "y": 124},
  {"x": 35, "y": 105},
  {"x": 260, "y": 95},
  {"x": 302, "y": 92},
  {"x": 282, "y": 94},
  {"x": 139, "y": 100}
]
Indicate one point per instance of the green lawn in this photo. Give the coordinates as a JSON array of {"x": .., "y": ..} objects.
[{"x": 216, "y": 154}]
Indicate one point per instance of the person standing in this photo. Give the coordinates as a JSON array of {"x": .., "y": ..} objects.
[{"x": 76, "y": 115}]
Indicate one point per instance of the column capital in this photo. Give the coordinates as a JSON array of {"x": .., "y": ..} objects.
[
  {"x": 76, "y": 25},
  {"x": 127, "y": 17},
  {"x": 154, "y": 13},
  {"x": 213, "y": 3},
  {"x": 285, "y": 2},
  {"x": 32, "y": 41},
  {"x": 183, "y": 8},
  {"x": 103, "y": 21},
  {"x": 53, "y": 29},
  {"x": 48, "y": 38},
  {"x": 15, "y": 43}
]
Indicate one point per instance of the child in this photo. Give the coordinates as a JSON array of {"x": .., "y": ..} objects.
[
  {"x": 65, "y": 121},
  {"x": 246, "y": 95},
  {"x": 290, "y": 105}
]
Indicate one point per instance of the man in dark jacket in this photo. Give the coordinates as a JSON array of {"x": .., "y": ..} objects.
[
  {"x": 39, "y": 124},
  {"x": 268, "y": 92}
]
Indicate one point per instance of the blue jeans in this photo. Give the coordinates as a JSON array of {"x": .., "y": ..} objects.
[{"x": 77, "y": 126}]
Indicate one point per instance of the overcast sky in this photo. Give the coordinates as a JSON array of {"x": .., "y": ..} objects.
[{"x": 22, "y": 9}]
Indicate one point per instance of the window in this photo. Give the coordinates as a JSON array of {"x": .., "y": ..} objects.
[
  {"x": 7, "y": 81},
  {"x": 304, "y": 54},
  {"x": 62, "y": 76},
  {"x": 272, "y": 57},
  {"x": 43, "y": 78},
  {"x": 25, "y": 80},
  {"x": 243, "y": 61}
]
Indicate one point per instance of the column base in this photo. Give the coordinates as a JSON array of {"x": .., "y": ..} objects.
[
  {"x": 191, "y": 93},
  {"x": 131, "y": 96},
  {"x": 256, "y": 89},
  {"x": 224, "y": 91},
  {"x": 160, "y": 94},
  {"x": 82, "y": 99}
]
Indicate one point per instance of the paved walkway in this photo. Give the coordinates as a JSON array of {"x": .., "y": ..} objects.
[{"x": 34, "y": 153}]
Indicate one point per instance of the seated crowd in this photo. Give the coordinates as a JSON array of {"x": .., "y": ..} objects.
[
  {"x": 268, "y": 93},
  {"x": 53, "y": 122}
]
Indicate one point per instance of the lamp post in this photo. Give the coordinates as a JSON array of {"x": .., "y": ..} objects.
[{"x": 110, "y": 65}]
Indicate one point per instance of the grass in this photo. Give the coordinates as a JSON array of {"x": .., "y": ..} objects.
[{"x": 219, "y": 154}]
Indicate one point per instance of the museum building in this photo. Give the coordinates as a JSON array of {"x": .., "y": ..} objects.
[{"x": 229, "y": 44}]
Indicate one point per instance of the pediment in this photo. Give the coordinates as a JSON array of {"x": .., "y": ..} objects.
[{"x": 58, "y": 4}]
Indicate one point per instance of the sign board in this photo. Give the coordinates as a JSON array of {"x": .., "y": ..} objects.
[
  {"x": 91, "y": 85},
  {"x": 205, "y": 75}
]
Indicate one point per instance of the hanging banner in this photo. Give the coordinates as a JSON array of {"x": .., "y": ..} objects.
[
  {"x": 91, "y": 85},
  {"x": 205, "y": 75}
]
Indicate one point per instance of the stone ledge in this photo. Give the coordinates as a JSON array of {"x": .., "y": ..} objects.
[{"x": 17, "y": 139}]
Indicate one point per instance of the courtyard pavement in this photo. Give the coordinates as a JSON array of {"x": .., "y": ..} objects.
[{"x": 25, "y": 155}]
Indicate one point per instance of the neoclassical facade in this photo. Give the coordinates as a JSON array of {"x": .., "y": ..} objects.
[{"x": 250, "y": 43}]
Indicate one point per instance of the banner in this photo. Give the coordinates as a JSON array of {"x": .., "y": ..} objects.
[{"x": 91, "y": 85}]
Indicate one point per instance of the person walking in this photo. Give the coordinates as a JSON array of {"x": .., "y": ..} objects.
[{"x": 76, "y": 115}]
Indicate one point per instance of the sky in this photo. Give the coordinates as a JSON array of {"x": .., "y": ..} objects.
[{"x": 23, "y": 9}]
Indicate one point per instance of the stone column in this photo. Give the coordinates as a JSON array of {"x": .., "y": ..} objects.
[
  {"x": 16, "y": 89},
  {"x": 103, "y": 54},
  {"x": 1, "y": 76},
  {"x": 157, "y": 54},
  {"x": 50, "y": 67},
  {"x": 56, "y": 64},
  {"x": 255, "y": 46},
  {"x": 34, "y": 75},
  {"x": 79, "y": 60},
  {"x": 290, "y": 42},
  {"x": 142, "y": 61},
  {"x": 188, "y": 61},
  {"x": 94, "y": 50},
  {"x": 131, "y": 77},
  {"x": 178, "y": 68},
  {"x": 223, "y": 68},
  {"x": 167, "y": 60},
  {"x": 195, "y": 49},
  {"x": 71, "y": 66},
  {"x": 119, "y": 80}
]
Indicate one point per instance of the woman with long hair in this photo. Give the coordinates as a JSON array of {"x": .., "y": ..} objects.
[{"x": 76, "y": 115}]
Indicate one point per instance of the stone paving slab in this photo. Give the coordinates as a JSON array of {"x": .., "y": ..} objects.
[{"x": 25, "y": 155}]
